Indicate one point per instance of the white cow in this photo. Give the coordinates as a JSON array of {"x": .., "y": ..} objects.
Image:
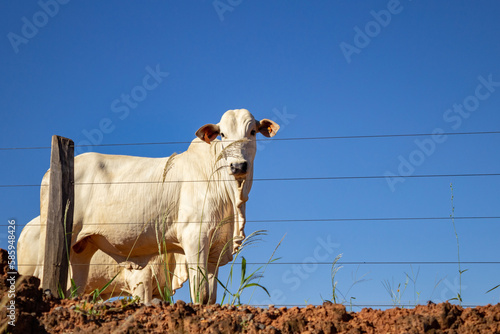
[
  {"x": 191, "y": 204},
  {"x": 144, "y": 283}
]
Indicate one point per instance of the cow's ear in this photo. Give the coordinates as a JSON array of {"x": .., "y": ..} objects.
[
  {"x": 267, "y": 127},
  {"x": 208, "y": 132}
]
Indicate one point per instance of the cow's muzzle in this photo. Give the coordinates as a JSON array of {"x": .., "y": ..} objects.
[{"x": 239, "y": 169}]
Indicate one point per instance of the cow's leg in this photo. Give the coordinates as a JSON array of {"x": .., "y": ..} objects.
[
  {"x": 80, "y": 265},
  {"x": 197, "y": 258},
  {"x": 198, "y": 279},
  {"x": 202, "y": 282},
  {"x": 212, "y": 281}
]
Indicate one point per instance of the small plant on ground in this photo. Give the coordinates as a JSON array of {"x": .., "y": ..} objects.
[
  {"x": 438, "y": 282},
  {"x": 460, "y": 271},
  {"x": 165, "y": 292},
  {"x": 350, "y": 303},
  {"x": 96, "y": 294},
  {"x": 337, "y": 296},
  {"x": 335, "y": 269},
  {"x": 73, "y": 291},
  {"x": 246, "y": 281},
  {"x": 413, "y": 278},
  {"x": 396, "y": 292},
  {"x": 91, "y": 308},
  {"x": 271, "y": 260}
]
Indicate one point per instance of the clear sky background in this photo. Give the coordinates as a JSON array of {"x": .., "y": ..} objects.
[{"x": 318, "y": 68}]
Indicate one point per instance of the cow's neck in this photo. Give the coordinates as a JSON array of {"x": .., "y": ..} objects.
[
  {"x": 223, "y": 190},
  {"x": 237, "y": 191}
]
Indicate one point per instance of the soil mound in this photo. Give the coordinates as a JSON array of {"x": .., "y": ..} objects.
[{"x": 36, "y": 312}]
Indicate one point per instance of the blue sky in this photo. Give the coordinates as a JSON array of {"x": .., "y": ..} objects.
[{"x": 322, "y": 68}]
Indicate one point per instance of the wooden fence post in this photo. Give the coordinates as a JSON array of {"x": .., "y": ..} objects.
[{"x": 59, "y": 216}]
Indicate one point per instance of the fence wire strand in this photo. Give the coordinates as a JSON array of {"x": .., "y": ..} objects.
[
  {"x": 320, "y": 178},
  {"x": 357, "y": 263},
  {"x": 316, "y": 220},
  {"x": 273, "y": 139}
]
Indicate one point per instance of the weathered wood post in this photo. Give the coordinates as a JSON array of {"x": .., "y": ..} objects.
[{"x": 59, "y": 216}]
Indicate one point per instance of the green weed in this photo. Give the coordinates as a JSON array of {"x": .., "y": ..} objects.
[
  {"x": 413, "y": 278},
  {"x": 460, "y": 271},
  {"x": 73, "y": 291},
  {"x": 94, "y": 309},
  {"x": 246, "y": 281},
  {"x": 396, "y": 292},
  {"x": 337, "y": 296},
  {"x": 493, "y": 288},
  {"x": 335, "y": 269}
]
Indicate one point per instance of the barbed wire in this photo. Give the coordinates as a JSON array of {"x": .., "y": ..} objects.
[
  {"x": 273, "y": 139},
  {"x": 320, "y": 178}
]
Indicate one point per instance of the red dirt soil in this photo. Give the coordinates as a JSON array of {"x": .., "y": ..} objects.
[{"x": 36, "y": 312}]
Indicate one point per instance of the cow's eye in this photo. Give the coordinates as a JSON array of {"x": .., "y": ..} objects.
[{"x": 253, "y": 132}]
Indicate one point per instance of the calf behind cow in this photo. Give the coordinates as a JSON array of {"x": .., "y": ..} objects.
[
  {"x": 149, "y": 282},
  {"x": 191, "y": 205}
]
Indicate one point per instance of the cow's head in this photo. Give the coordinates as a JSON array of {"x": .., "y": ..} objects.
[{"x": 238, "y": 130}]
